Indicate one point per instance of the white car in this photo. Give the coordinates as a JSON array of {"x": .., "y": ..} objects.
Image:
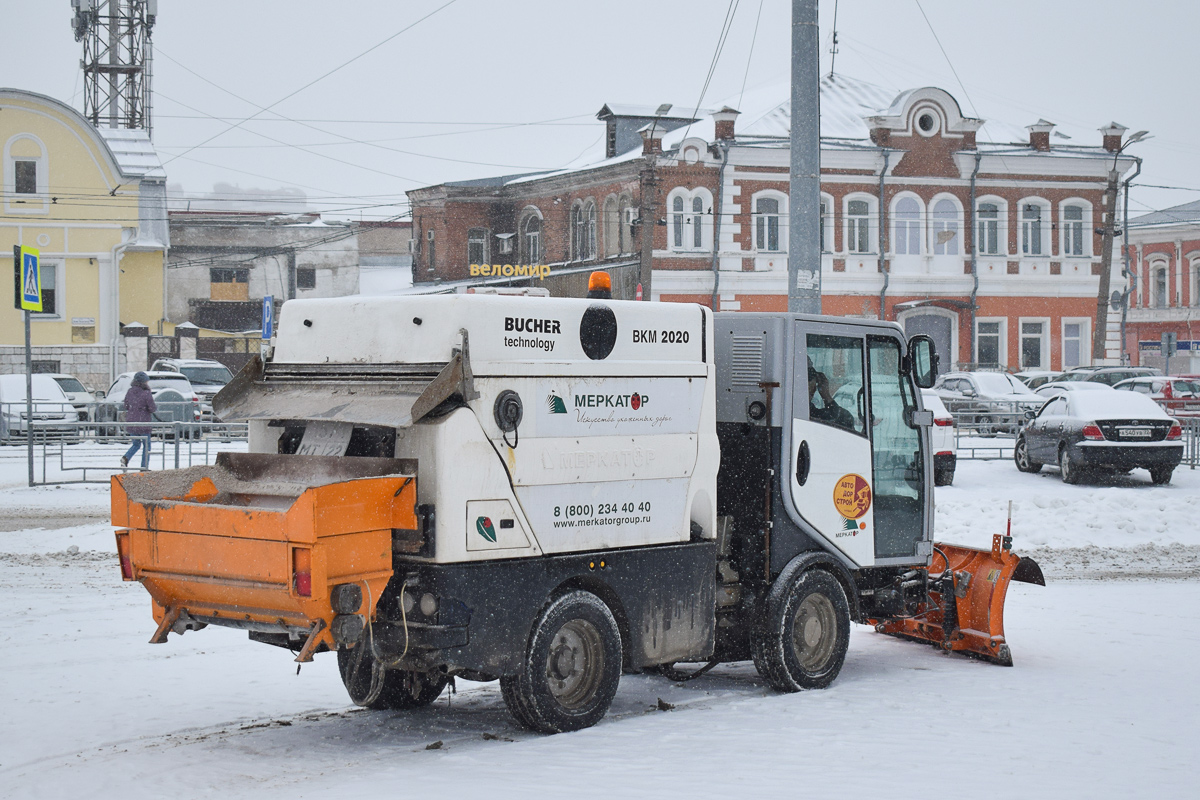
[
  {"x": 207, "y": 377},
  {"x": 945, "y": 439},
  {"x": 76, "y": 393},
  {"x": 1055, "y": 388},
  {"x": 52, "y": 411},
  {"x": 987, "y": 402},
  {"x": 176, "y": 400}
]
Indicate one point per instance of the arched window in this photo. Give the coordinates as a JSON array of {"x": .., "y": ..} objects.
[
  {"x": 858, "y": 226},
  {"x": 697, "y": 222},
  {"x": 578, "y": 231},
  {"x": 908, "y": 227},
  {"x": 826, "y": 223},
  {"x": 987, "y": 241},
  {"x": 677, "y": 222},
  {"x": 531, "y": 240},
  {"x": 945, "y": 228},
  {"x": 612, "y": 226},
  {"x": 1034, "y": 217},
  {"x": 627, "y": 215},
  {"x": 766, "y": 224},
  {"x": 1072, "y": 230},
  {"x": 589, "y": 241},
  {"x": 477, "y": 246}
]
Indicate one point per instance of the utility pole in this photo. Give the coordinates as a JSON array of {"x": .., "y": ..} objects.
[
  {"x": 117, "y": 55},
  {"x": 1130, "y": 277},
  {"x": 649, "y": 186},
  {"x": 804, "y": 189},
  {"x": 1100, "y": 334}
]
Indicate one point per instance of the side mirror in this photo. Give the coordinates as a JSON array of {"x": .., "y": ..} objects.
[
  {"x": 99, "y": 394},
  {"x": 969, "y": 392},
  {"x": 1030, "y": 414},
  {"x": 922, "y": 360}
]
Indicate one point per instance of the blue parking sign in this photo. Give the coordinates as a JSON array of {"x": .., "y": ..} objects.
[{"x": 268, "y": 317}]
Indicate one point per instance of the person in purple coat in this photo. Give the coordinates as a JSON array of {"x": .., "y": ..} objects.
[{"x": 139, "y": 407}]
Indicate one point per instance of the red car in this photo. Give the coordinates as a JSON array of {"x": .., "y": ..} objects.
[{"x": 1178, "y": 395}]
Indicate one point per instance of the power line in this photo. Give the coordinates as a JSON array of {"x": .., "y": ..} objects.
[
  {"x": 750, "y": 57},
  {"x": 946, "y": 55},
  {"x": 323, "y": 76}
]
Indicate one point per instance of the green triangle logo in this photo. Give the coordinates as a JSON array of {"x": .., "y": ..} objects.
[
  {"x": 483, "y": 526},
  {"x": 556, "y": 404}
]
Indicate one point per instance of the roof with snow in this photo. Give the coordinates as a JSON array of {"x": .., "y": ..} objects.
[
  {"x": 1188, "y": 212},
  {"x": 134, "y": 152}
]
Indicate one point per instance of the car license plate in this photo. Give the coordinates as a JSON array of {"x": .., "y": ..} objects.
[
  {"x": 1191, "y": 406},
  {"x": 1134, "y": 433}
]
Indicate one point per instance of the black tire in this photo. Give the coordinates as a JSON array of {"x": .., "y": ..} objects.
[
  {"x": 572, "y": 667},
  {"x": 802, "y": 634},
  {"x": 1161, "y": 476},
  {"x": 1071, "y": 472},
  {"x": 1021, "y": 457},
  {"x": 373, "y": 686}
]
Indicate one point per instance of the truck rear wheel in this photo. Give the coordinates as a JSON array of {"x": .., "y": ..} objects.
[
  {"x": 373, "y": 686},
  {"x": 572, "y": 667},
  {"x": 801, "y": 638}
]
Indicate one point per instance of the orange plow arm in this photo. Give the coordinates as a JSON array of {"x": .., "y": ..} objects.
[
  {"x": 965, "y": 609},
  {"x": 265, "y": 544}
]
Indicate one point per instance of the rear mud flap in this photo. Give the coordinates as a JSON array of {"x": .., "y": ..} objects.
[{"x": 965, "y": 608}]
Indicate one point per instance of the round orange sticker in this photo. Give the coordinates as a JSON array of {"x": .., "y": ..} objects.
[{"x": 852, "y": 496}]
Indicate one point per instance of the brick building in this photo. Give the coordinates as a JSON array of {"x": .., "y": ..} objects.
[
  {"x": 991, "y": 248},
  {"x": 1164, "y": 255}
]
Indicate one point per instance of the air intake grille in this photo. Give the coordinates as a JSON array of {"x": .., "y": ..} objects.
[
  {"x": 746, "y": 357},
  {"x": 367, "y": 373}
]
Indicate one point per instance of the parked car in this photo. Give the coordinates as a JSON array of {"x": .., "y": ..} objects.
[
  {"x": 52, "y": 411},
  {"x": 1055, "y": 388},
  {"x": 1179, "y": 397},
  {"x": 1092, "y": 431},
  {"x": 172, "y": 392},
  {"x": 76, "y": 393},
  {"x": 1109, "y": 375},
  {"x": 987, "y": 402},
  {"x": 207, "y": 377},
  {"x": 1035, "y": 378},
  {"x": 945, "y": 439}
]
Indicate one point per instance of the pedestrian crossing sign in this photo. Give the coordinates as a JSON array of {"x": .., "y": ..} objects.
[{"x": 27, "y": 264}]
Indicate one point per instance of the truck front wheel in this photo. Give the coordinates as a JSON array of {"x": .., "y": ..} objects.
[
  {"x": 371, "y": 685},
  {"x": 572, "y": 667},
  {"x": 801, "y": 639}
]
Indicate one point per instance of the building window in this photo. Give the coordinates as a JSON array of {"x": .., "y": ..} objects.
[
  {"x": 697, "y": 222},
  {"x": 858, "y": 233},
  {"x": 531, "y": 240},
  {"x": 578, "y": 230},
  {"x": 590, "y": 233},
  {"x": 766, "y": 224},
  {"x": 1031, "y": 229},
  {"x": 25, "y": 177},
  {"x": 945, "y": 228},
  {"x": 989, "y": 343},
  {"x": 1072, "y": 231},
  {"x": 677, "y": 222},
  {"x": 1033, "y": 345},
  {"x": 1160, "y": 287},
  {"x": 612, "y": 227},
  {"x": 1074, "y": 343},
  {"x": 228, "y": 275},
  {"x": 826, "y": 221},
  {"x": 988, "y": 242},
  {"x": 628, "y": 228},
  {"x": 48, "y": 275},
  {"x": 908, "y": 227},
  {"x": 306, "y": 278},
  {"x": 477, "y": 246},
  {"x": 431, "y": 252},
  {"x": 688, "y": 219}
]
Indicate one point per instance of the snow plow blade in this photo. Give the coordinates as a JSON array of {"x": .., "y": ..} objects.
[
  {"x": 965, "y": 608},
  {"x": 276, "y": 545}
]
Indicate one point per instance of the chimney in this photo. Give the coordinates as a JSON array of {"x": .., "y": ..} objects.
[
  {"x": 652, "y": 138},
  {"x": 1112, "y": 134},
  {"x": 1039, "y": 135},
  {"x": 724, "y": 123}
]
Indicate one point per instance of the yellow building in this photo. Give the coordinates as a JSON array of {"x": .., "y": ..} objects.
[{"x": 93, "y": 201}]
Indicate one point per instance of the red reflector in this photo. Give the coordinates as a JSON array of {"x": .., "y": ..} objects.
[
  {"x": 944, "y": 422},
  {"x": 946, "y": 453},
  {"x": 1092, "y": 432},
  {"x": 123, "y": 554},
  {"x": 1176, "y": 432},
  {"x": 302, "y": 571}
]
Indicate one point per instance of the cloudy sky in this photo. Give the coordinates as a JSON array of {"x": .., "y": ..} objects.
[{"x": 457, "y": 89}]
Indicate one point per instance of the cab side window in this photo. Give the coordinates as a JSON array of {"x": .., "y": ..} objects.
[{"x": 835, "y": 382}]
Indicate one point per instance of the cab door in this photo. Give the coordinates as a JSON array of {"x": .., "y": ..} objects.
[{"x": 829, "y": 458}]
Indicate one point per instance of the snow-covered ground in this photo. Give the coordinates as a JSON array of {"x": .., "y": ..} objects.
[{"x": 1101, "y": 701}]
